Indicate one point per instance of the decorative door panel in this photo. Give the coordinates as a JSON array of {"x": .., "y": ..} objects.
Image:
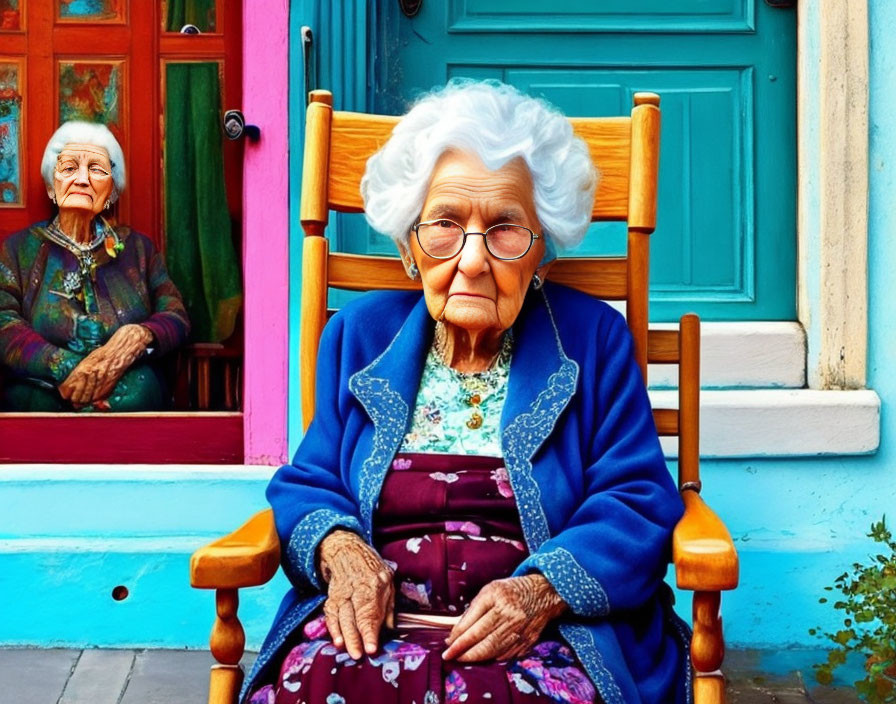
[
  {"x": 92, "y": 11},
  {"x": 725, "y": 243},
  {"x": 704, "y": 149},
  {"x": 605, "y": 16},
  {"x": 11, "y": 16},
  {"x": 93, "y": 91},
  {"x": 12, "y": 79}
]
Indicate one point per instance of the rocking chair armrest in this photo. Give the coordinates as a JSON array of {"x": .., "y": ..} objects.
[
  {"x": 247, "y": 557},
  {"x": 702, "y": 550}
]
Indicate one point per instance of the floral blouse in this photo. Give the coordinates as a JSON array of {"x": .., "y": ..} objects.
[{"x": 457, "y": 412}]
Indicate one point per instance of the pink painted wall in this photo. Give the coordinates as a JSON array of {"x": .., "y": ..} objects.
[{"x": 266, "y": 230}]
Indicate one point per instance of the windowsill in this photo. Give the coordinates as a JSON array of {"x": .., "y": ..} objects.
[
  {"x": 146, "y": 471},
  {"x": 122, "y": 438}
]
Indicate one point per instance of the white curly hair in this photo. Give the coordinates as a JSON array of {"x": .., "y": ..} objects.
[
  {"x": 77, "y": 132},
  {"x": 497, "y": 123}
]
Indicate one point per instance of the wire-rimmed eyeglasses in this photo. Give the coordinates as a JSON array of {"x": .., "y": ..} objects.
[{"x": 443, "y": 239}]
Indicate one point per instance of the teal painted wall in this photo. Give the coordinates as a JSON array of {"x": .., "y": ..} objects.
[
  {"x": 800, "y": 523},
  {"x": 68, "y": 536}
]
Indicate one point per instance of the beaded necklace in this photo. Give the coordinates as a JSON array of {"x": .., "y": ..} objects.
[
  {"x": 77, "y": 284},
  {"x": 476, "y": 387}
]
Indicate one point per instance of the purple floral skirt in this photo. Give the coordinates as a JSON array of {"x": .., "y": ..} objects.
[{"x": 448, "y": 525}]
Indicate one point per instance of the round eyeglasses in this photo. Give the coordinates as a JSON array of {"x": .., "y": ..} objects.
[{"x": 443, "y": 239}]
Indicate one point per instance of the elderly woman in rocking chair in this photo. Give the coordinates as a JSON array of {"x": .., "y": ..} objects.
[{"x": 480, "y": 510}]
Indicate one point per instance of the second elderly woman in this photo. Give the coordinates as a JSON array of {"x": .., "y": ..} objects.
[
  {"x": 480, "y": 510},
  {"x": 86, "y": 309}
]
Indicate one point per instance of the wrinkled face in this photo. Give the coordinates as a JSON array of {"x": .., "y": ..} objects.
[
  {"x": 475, "y": 290},
  {"x": 82, "y": 179}
]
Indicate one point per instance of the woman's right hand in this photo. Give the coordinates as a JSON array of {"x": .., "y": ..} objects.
[
  {"x": 90, "y": 381},
  {"x": 360, "y": 594},
  {"x": 97, "y": 374}
]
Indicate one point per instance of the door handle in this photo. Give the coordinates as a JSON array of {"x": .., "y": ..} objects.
[{"x": 235, "y": 126}]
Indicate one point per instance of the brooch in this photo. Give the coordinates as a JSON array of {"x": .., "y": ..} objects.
[{"x": 71, "y": 286}]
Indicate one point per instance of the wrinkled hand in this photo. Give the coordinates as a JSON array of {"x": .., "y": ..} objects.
[
  {"x": 505, "y": 619},
  {"x": 96, "y": 375},
  {"x": 360, "y": 595}
]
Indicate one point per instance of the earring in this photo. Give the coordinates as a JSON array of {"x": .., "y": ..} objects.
[
  {"x": 53, "y": 198},
  {"x": 413, "y": 271},
  {"x": 108, "y": 204},
  {"x": 537, "y": 282}
]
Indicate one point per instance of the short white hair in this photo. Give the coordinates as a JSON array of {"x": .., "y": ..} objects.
[
  {"x": 93, "y": 133},
  {"x": 497, "y": 123}
]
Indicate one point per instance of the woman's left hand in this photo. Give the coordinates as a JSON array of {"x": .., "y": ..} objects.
[
  {"x": 505, "y": 619},
  {"x": 97, "y": 374}
]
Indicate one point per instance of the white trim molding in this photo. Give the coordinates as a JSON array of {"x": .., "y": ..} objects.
[{"x": 832, "y": 110}]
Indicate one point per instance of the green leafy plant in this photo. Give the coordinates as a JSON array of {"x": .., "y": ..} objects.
[{"x": 868, "y": 602}]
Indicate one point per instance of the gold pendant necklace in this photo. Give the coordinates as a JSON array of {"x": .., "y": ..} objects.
[{"x": 475, "y": 387}]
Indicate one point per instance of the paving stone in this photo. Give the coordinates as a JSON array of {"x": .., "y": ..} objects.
[
  {"x": 166, "y": 676},
  {"x": 35, "y": 676},
  {"x": 99, "y": 677},
  {"x": 791, "y": 682},
  {"x": 833, "y": 695}
]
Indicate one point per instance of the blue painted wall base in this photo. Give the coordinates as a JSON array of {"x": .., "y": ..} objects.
[{"x": 82, "y": 536}]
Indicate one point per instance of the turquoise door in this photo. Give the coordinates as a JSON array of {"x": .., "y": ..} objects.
[{"x": 725, "y": 244}]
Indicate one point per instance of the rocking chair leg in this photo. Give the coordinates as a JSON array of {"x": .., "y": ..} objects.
[
  {"x": 708, "y": 649},
  {"x": 709, "y": 688},
  {"x": 224, "y": 684},
  {"x": 228, "y": 640}
]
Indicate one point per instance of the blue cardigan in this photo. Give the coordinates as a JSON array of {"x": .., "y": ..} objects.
[{"x": 597, "y": 503}]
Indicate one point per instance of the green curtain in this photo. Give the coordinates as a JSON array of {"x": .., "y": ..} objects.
[
  {"x": 198, "y": 12},
  {"x": 198, "y": 230}
]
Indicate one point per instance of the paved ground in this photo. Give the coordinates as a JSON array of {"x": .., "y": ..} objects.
[
  {"x": 181, "y": 677},
  {"x": 750, "y": 682}
]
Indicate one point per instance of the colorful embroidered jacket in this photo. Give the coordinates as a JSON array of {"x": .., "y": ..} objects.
[
  {"x": 39, "y": 319},
  {"x": 597, "y": 503}
]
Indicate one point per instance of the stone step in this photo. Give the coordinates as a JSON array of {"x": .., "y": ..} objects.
[
  {"x": 743, "y": 355},
  {"x": 781, "y": 422}
]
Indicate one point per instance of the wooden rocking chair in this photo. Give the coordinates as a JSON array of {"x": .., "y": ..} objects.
[{"x": 626, "y": 152}]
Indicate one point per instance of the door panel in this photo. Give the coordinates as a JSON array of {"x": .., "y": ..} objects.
[
  {"x": 725, "y": 243},
  {"x": 94, "y": 11},
  {"x": 608, "y": 15},
  {"x": 700, "y": 158},
  {"x": 92, "y": 91},
  {"x": 12, "y": 81}
]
